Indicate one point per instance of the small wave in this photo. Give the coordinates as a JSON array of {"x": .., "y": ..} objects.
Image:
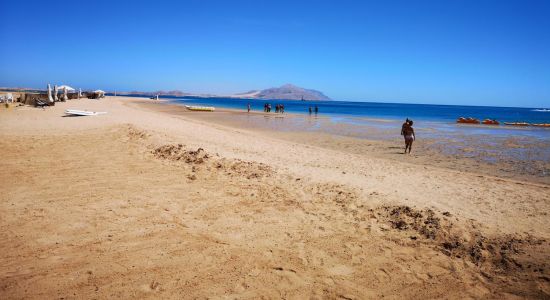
[{"x": 542, "y": 109}]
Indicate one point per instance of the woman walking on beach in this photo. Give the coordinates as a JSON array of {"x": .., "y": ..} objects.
[
  {"x": 408, "y": 133},
  {"x": 404, "y": 125}
]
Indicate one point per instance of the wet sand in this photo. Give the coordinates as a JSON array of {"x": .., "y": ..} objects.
[{"x": 142, "y": 203}]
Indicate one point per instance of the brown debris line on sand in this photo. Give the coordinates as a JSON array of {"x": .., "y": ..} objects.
[
  {"x": 178, "y": 152},
  {"x": 518, "y": 254}
]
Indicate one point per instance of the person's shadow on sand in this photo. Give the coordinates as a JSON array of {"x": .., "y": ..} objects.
[{"x": 395, "y": 148}]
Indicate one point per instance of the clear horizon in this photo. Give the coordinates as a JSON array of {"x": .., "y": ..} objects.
[{"x": 482, "y": 53}]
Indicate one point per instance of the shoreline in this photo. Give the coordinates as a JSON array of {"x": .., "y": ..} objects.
[
  {"x": 143, "y": 203},
  {"x": 172, "y": 98},
  {"x": 448, "y": 125},
  {"x": 325, "y": 116},
  {"x": 472, "y": 153},
  {"x": 363, "y": 109}
]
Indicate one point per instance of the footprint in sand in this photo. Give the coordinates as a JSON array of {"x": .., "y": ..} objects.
[
  {"x": 290, "y": 277},
  {"x": 153, "y": 286}
]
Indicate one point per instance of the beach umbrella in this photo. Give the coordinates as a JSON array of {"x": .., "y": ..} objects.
[
  {"x": 66, "y": 87},
  {"x": 50, "y": 98},
  {"x": 55, "y": 93}
]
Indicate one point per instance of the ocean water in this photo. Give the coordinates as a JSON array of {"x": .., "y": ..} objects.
[
  {"x": 435, "y": 120},
  {"x": 386, "y": 111}
]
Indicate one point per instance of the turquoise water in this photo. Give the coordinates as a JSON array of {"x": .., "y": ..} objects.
[
  {"x": 392, "y": 111},
  {"x": 442, "y": 117}
]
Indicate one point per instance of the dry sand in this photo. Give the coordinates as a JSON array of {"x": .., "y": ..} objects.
[{"x": 143, "y": 204}]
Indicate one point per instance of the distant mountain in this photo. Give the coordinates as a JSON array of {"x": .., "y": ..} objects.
[{"x": 286, "y": 92}]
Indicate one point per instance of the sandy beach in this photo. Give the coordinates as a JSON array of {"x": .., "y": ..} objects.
[{"x": 143, "y": 202}]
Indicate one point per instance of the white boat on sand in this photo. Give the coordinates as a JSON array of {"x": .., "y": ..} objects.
[
  {"x": 76, "y": 112},
  {"x": 200, "y": 108}
]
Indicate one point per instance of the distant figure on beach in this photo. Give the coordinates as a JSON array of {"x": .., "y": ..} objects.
[
  {"x": 316, "y": 109},
  {"x": 282, "y": 108},
  {"x": 269, "y": 107},
  {"x": 310, "y": 110},
  {"x": 248, "y": 107},
  {"x": 408, "y": 133},
  {"x": 277, "y": 108}
]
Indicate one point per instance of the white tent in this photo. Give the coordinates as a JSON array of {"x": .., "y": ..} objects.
[
  {"x": 67, "y": 88},
  {"x": 100, "y": 93}
]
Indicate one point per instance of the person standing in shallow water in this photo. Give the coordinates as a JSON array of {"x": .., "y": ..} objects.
[
  {"x": 316, "y": 109},
  {"x": 408, "y": 133},
  {"x": 248, "y": 107}
]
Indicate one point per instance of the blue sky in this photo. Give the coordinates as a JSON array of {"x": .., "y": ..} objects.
[{"x": 447, "y": 52}]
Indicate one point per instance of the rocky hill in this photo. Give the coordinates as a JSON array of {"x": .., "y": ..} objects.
[{"x": 287, "y": 92}]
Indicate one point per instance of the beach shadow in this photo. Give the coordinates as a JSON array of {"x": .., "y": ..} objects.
[{"x": 71, "y": 116}]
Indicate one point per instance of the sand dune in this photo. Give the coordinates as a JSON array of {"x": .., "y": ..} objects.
[{"x": 139, "y": 203}]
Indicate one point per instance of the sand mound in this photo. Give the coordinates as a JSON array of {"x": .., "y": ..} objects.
[
  {"x": 518, "y": 255},
  {"x": 246, "y": 169},
  {"x": 199, "y": 157},
  {"x": 136, "y": 134},
  {"x": 178, "y": 152}
]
